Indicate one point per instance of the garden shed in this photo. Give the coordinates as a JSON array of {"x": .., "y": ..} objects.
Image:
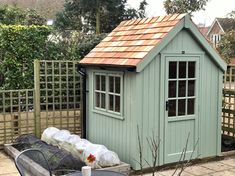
[{"x": 161, "y": 75}]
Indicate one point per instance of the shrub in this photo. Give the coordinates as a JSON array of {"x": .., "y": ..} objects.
[{"x": 19, "y": 46}]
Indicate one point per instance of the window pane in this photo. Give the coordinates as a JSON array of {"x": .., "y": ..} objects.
[
  {"x": 191, "y": 106},
  {"x": 117, "y": 85},
  {"x": 97, "y": 78},
  {"x": 97, "y": 98},
  {"x": 103, "y": 100},
  {"x": 191, "y": 69},
  {"x": 172, "y": 70},
  {"x": 172, "y": 108},
  {"x": 117, "y": 103},
  {"x": 182, "y": 69},
  {"x": 233, "y": 79},
  {"x": 111, "y": 83},
  {"x": 182, "y": 89},
  {"x": 181, "y": 107},
  {"x": 172, "y": 89},
  {"x": 191, "y": 87},
  {"x": 111, "y": 102},
  {"x": 103, "y": 83}
]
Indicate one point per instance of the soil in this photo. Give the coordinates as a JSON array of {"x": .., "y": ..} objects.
[{"x": 228, "y": 144}]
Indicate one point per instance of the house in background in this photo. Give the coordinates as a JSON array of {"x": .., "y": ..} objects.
[
  {"x": 203, "y": 29},
  {"x": 162, "y": 75},
  {"x": 218, "y": 28}
]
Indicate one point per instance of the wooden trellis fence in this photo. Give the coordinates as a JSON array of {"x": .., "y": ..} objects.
[
  {"x": 16, "y": 114},
  {"x": 228, "y": 111},
  {"x": 54, "y": 101}
]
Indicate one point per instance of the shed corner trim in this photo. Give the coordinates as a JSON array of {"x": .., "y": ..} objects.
[{"x": 208, "y": 48}]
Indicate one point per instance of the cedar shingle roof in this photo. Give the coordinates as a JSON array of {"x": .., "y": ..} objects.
[{"x": 131, "y": 40}]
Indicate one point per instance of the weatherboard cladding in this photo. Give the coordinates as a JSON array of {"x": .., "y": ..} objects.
[{"x": 131, "y": 41}]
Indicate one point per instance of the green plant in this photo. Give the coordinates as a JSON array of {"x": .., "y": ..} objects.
[
  {"x": 226, "y": 46},
  {"x": 96, "y": 16},
  {"x": 11, "y": 15},
  {"x": 184, "y": 6},
  {"x": 19, "y": 46}
]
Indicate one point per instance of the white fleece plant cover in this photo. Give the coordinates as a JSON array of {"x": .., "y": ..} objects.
[
  {"x": 48, "y": 133},
  {"x": 94, "y": 155}
]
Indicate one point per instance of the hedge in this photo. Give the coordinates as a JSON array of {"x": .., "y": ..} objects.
[{"x": 19, "y": 46}]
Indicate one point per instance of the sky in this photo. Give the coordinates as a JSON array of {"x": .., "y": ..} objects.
[{"x": 213, "y": 9}]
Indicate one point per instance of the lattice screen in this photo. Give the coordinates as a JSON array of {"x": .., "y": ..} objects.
[{"x": 60, "y": 95}]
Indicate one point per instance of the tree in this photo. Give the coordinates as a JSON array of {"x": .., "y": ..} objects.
[
  {"x": 184, "y": 6},
  {"x": 142, "y": 9},
  {"x": 69, "y": 18},
  {"x": 231, "y": 14},
  {"x": 226, "y": 46},
  {"x": 33, "y": 18},
  {"x": 96, "y": 16},
  {"x": 46, "y": 8},
  {"x": 11, "y": 15}
]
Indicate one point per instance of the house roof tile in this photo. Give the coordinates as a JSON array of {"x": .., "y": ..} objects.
[
  {"x": 227, "y": 23},
  {"x": 130, "y": 41}
]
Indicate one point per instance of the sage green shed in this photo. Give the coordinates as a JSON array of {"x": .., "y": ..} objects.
[{"x": 162, "y": 75}]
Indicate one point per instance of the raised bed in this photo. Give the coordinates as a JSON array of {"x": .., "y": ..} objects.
[{"x": 37, "y": 170}]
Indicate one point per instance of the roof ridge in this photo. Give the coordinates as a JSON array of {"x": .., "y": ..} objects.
[{"x": 150, "y": 20}]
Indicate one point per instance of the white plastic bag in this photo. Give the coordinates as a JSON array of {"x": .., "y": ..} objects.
[
  {"x": 59, "y": 137},
  {"x": 48, "y": 133}
]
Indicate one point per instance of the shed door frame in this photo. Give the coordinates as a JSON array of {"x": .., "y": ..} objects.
[{"x": 194, "y": 118}]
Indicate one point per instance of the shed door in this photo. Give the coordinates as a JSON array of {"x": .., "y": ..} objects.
[{"x": 181, "y": 113}]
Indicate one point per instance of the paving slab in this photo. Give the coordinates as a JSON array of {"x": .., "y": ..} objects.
[
  {"x": 230, "y": 162},
  {"x": 217, "y": 166},
  {"x": 155, "y": 174},
  {"x": 7, "y": 166},
  {"x": 223, "y": 173},
  {"x": 3, "y": 156},
  {"x": 170, "y": 173},
  {"x": 198, "y": 170},
  {"x": 233, "y": 170}
]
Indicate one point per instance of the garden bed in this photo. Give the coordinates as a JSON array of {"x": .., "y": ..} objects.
[{"x": 40, "y": 171}]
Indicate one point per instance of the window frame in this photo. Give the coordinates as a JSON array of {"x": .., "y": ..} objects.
[
  {"x": 164, "y": 58},
  {"x": 106, "y": 111}
]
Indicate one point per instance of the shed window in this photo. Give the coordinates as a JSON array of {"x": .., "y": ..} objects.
[{"x": 108, "y": 92}]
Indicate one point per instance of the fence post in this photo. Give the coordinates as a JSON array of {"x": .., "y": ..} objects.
[{"x": 37, "y": 118}]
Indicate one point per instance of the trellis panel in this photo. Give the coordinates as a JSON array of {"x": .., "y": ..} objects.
[
  {"x": 59, "y": 95},
  {"x": 16, "y": 114}
]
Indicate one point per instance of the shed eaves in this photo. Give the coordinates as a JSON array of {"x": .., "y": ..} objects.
[{"x": 131, "y": 41}]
